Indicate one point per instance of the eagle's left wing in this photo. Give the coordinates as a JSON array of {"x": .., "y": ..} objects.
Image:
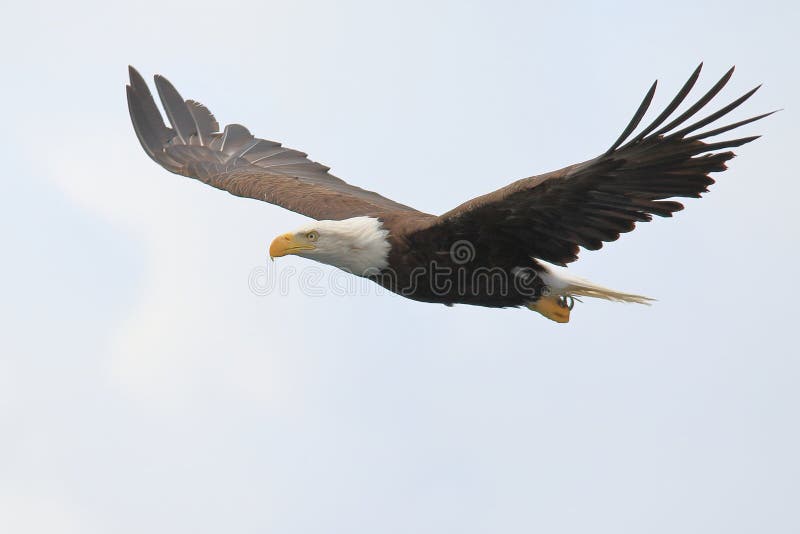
[
  {"x": 237, "y": 162},
  {"x": 550, "y": 216}
]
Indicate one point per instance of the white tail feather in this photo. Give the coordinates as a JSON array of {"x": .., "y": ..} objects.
[{"x": 561, "y": 282}]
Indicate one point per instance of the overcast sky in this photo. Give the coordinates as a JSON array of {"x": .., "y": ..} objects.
[{"x": 147, "y": 386}]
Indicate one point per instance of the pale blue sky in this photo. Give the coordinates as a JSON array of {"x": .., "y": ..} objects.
[{"x": 145, "y": 388}]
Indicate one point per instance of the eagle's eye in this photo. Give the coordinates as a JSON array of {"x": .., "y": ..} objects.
[{"x": 312, "y": 236}]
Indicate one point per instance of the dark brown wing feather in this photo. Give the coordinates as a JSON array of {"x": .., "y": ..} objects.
[
  {"x": 552, "y": 215},
  {"x": 239, "y": 163}
]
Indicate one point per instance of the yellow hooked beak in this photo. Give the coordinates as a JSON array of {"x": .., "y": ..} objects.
[{"x": 287, "y": 244}]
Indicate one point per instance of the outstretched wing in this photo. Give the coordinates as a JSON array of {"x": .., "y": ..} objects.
[
  {"x": 239, "y": 163},
  {"x": 552, "y": 215}
]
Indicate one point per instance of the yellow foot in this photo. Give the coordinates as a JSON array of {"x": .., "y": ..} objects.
[{"x": 554, "y": 308}]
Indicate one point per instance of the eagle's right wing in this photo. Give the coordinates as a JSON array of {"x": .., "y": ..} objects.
[
  {"x": 550, "y": 216},
  {"x": 237, "y": 162}
]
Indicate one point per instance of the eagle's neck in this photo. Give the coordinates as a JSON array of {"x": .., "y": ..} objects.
[{"x": 359, "y": 245}]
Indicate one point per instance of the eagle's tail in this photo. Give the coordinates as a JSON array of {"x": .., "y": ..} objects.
[
  {"x": 562, "y": 283},
  {"x": 587, "y": 289},
  {"x": 562, "y": 286},
  {"x": 556, "y": 304}
]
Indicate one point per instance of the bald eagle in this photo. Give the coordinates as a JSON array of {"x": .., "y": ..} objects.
[{"x": 507, "y": 248}]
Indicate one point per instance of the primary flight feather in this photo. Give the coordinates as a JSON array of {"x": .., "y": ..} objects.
[{"x": 501, "y": 249}]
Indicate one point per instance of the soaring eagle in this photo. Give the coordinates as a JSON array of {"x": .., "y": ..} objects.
[{"x": 501, "y": 249}]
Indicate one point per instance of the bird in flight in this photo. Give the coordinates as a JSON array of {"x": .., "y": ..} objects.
[{"x": 507, "y": 248}]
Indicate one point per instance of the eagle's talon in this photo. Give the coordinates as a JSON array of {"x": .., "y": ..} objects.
[{"x": 566, "y": 302}]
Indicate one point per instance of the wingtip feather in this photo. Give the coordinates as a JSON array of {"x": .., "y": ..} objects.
[
  {"x": 637, "y": 118},
  {"x": 176, "y": 109}
]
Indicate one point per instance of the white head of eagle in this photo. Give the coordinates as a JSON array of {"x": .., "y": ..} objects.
[{"x": 357, "y": 245}]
